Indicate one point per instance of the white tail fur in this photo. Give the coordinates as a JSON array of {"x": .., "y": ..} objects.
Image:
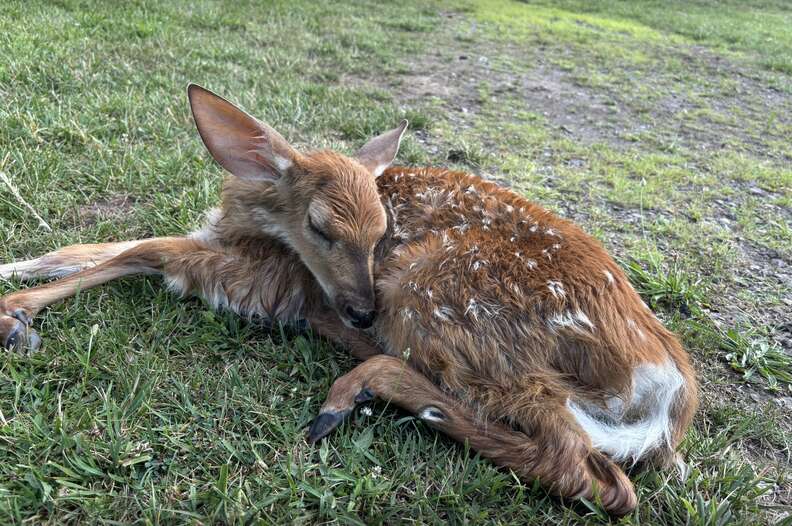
[{"x": 644, "y": 424}]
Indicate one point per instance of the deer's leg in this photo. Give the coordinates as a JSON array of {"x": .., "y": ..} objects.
[
  {"x": 18, "y": 309},
  {"x": 327, "y": 324},
  {"x": 65, "y": 261},
  {"x": 569, "y": 468}
]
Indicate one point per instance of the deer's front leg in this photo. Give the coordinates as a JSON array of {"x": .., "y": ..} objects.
[
  {"x": 328, "y": 325},
  {"x": 385, "y": 377}
]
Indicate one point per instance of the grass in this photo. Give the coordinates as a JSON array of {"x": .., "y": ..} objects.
[
  {"x": 752, "y": 355},
  {"x": 671, "y": 289},
  {"x": 661, "y": 127}
]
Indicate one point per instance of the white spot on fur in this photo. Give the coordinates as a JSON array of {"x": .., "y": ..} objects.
[
  {"x": 443, "y": 313},
  {"x": 654, "y": 390},
  {"x": 577, "y": 321},
  {"x": 531, "y": 263},
  {"x": 31, "y": 269},
  {"x": 283, "y": 164},
  {"x": 472, "y": 309},
  {"x": 582, "y": 318},
  {"x": 609, "y": 276},
  {"x": 478, "y": 264},
  {"x": 407, "y": 314},
  {"x": 556, "y": 288}
]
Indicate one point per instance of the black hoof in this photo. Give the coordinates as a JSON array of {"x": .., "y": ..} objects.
[
  {"x": 14, "y": 333},
  {"x": 324, "y": 424}
]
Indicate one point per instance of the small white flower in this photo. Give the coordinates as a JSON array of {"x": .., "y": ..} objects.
[{"x": 366, "y": 411}]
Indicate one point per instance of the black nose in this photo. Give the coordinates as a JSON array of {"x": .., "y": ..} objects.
[{"x": 361, "y": 320}]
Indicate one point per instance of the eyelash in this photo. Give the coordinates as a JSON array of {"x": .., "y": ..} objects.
[{"x": 319, "y": 233}]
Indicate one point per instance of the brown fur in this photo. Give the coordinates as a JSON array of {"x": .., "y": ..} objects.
[{"x": 504, "y": 311}]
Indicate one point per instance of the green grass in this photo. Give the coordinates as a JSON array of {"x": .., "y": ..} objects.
[
  {"x": 754, "y": 355},
  {"x": 667, "y": 138}
]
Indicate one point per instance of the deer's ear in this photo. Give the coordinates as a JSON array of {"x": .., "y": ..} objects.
[
  {"x": 241, "y": 144},
  {"x": 380, "y": 151}
]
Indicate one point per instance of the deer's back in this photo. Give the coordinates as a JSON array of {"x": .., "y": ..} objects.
[{"x": 489, "y": 293}]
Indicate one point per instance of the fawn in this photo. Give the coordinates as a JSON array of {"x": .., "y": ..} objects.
[{"x": 490, "y": 318}]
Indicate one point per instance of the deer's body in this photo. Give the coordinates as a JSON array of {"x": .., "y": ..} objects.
[{"x": 500, "y": 323}]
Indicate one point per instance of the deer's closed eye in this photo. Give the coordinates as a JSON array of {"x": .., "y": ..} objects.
[{"x": 318, "y": 232}]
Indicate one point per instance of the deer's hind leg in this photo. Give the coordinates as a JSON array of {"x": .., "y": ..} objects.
[
  {"x": 579, "y": 472},
  {"x": 100, "y": 264},
  {"x": 65, "y": 261}
]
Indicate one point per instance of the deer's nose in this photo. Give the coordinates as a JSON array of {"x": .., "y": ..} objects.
[{"x": 361, "y": 319}]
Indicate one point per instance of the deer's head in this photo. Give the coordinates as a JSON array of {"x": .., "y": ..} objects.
[{"x": 322, "y": 204}]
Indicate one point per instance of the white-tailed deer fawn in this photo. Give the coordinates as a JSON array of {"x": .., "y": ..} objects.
[{"x": 487, "y": 316}]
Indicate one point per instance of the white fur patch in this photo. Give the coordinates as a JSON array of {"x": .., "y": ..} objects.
[
  {"x": 654, "y": 390},
  {"x": 577, "y": 321},
  {"x": 556, "y": 288},
  {"x": 281, "y": 163}
]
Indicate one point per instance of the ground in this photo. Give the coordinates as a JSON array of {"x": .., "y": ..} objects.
[{"x": 664, "y": 128}]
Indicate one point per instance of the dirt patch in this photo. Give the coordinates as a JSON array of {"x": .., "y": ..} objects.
[{"x": 108, "y": 209}]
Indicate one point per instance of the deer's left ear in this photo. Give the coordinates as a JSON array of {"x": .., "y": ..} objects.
[{"x": 380, "y": 151}]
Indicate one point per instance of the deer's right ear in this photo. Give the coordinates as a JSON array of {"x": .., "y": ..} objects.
[{"x": 241, "y": 144}]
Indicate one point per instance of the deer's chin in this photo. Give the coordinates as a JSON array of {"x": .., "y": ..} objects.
[{"x": 339, "y": 311}]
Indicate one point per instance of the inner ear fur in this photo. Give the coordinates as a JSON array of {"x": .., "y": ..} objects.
[
  {"x": 381, "y": 151},
  {"x": 240, "y": 143}
]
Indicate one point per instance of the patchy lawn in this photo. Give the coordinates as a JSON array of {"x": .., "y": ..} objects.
[{"x": 665, "y": 128}]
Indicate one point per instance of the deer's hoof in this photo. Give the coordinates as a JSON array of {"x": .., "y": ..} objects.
[
  {"x": 16, "y": 334},
  {"x": 324, "y": 424}
]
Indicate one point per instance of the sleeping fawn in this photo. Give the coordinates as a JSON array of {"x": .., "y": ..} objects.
[{"x": 490, "y": 318}]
